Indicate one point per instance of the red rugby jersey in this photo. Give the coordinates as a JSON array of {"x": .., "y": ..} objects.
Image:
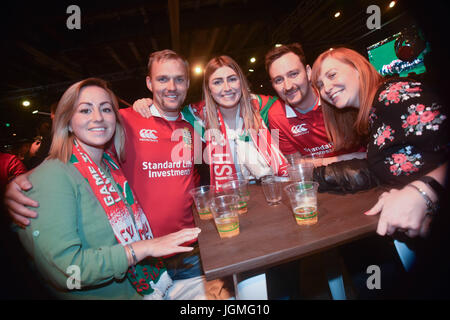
[
  {"x": 304, "y": 133},
  {"x": 159, "y": 170},
  {"x": 10, "y": 167}
]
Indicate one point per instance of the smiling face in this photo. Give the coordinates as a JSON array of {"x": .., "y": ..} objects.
[
  {"x": 225, "y": 87},
  {"x": 94, "y": 120},
  {"x": 338, "y": 83},
  {"x": 290, "y": 79},
  {"x": 169, "y": 84}
]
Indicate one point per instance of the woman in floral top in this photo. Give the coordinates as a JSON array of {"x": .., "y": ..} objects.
[
  {"x": 406, "y": 132},
  {"x": 405, "y": 127}
]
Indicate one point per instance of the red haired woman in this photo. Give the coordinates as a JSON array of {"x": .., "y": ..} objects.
[{"x": 405, "y": 128}]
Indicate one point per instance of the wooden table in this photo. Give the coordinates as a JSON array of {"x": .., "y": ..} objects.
[{"x": 270, "y": 235}]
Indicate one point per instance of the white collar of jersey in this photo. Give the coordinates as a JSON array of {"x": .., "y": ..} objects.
[
  {"x": 155, "y": 113},
  {"x": 290, "y": 113}
]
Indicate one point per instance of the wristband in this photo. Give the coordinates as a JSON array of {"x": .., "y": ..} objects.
[
  {"x": 133, "y": 254},
  {"x": 438, "y": 189},
  {"x": 432, "y": 208}
]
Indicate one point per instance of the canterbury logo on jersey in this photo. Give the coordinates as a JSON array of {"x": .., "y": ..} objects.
[
  {"x": 299, "y": 129},
  {"x": 148, "y": 134}
]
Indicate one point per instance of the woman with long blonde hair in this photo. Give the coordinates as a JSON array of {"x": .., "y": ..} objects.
[
  {"x": 234, "y": 85},
  {"x": 91, "y": 239},
  {"x": 232, "y": 119}
]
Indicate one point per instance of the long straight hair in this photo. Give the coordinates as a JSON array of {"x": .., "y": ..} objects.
[
  {"x": 252, "y": 119},
  {"x": 348, "y": 126},
  {"x": 62, "y": 142}
]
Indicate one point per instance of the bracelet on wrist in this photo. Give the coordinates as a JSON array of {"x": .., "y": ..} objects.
[
  {"x": 431, "y": 207},
  {"x": 133, "y": 254},
  {"x": 438, "y": 189}
]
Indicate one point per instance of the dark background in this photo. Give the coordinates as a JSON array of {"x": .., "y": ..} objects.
[{"x": 41, "y": 57}]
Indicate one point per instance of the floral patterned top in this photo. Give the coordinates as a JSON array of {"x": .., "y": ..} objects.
[{"x": 408, "y": 136}]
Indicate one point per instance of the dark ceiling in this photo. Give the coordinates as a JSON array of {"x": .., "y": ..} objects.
[{"x": 42, "y": 57}]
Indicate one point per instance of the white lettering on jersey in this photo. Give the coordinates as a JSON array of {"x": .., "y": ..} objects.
[{"x": 323, "y": 149}]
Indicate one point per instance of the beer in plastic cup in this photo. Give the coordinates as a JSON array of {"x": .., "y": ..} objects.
[
  {"x": 303, "y": 198},
  {"x": 225, "y": 212},
  {"x": 239, "y": 188}
]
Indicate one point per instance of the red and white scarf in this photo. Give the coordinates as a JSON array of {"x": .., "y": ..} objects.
[
  {"x": 221, "y": 159},
  {"x": 149, "y": 278}
]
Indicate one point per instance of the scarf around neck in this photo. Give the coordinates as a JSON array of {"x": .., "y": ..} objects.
[
  {"x": 264, "y": 154},
  {"x": 149, "y": 277},
  {"x": 256, "y": 154}
]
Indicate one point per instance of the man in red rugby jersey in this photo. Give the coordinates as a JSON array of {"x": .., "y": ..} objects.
[
  {"x": 160, "y": 157},
  {"x": 298, "y": 115},
  {"x": 157, "y": 176}
]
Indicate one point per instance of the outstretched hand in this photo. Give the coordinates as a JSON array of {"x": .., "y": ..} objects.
[
  {"x": 401, "y": 210},
  {"x": 170, "y": 244},
  {"x": 141, "y": 106}
]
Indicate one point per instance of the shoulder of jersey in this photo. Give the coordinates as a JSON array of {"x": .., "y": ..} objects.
[{"x": 277, "y": 107}]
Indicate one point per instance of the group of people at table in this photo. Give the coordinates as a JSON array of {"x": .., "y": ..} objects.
[{"x": 110, "y": 198}]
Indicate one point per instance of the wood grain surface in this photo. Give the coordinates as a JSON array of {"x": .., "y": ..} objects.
[{"x": 269, "y": 235}]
